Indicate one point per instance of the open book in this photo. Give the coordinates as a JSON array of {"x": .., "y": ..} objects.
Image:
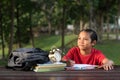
[{"x": 81, "y": 67}]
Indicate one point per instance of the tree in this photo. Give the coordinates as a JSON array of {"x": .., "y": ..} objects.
[
  {"x": 12, "y": 26},
  {"x": 1, "y": 32}
]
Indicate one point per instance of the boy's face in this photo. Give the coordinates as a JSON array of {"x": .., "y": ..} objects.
[{"x": 84, "y": 41}]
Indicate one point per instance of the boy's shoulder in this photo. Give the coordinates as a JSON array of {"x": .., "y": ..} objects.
[
  {"x": 75, "y": 48},
  {"x": 94, "y": 50}
]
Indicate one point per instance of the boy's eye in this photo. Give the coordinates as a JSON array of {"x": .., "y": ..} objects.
[
  {"x": 79, "y": 38},
  {"x": 85, "y": 39}
]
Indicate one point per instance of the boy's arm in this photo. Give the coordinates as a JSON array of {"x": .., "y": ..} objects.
[{"x": 107, "y": 64}]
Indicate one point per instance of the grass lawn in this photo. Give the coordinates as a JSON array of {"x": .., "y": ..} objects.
[
  {"x": 46, "y": 42},
  {"x": 110, "y": 48}
]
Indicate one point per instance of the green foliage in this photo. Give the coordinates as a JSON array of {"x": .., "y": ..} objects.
[{"x": 24, "y": 39}]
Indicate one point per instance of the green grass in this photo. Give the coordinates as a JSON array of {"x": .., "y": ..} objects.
[
  {"x": 46, "y": 42},
  {"x": 3, "y": 62},
  {"x": 110, "y": 48}
]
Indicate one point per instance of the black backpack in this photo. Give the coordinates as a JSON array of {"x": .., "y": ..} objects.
[{"x": 27, "y": 58}]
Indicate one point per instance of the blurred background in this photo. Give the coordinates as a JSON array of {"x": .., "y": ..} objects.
[{"x": 48, "y": 23}]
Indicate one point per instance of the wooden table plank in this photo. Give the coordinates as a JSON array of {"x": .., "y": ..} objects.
[{"x": 96, "y": 74}]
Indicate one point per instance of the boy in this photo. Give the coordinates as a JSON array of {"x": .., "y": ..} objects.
[{"x": 84, "y": 53}]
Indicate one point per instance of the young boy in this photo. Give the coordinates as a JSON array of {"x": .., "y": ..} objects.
[{"x": 84, "y": 53}]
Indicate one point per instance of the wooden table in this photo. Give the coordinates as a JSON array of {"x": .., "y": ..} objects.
[{"x": 95, "y": 74}]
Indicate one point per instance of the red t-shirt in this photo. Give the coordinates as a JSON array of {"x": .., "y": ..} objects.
[{"x": 94, "y": 58}]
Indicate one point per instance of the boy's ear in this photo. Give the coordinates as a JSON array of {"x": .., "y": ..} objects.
[{"x": 93, "y": 43}]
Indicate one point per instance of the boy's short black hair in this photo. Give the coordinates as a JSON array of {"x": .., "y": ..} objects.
[{"x": 93, "y": 34}]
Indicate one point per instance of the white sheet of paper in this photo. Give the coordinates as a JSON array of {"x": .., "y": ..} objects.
[{"x": 84, "y": 66}]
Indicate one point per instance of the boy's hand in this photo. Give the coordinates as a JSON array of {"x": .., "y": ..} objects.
[
  {"x": 107, "y": 66},
  {"x": 70, "y": 63}
]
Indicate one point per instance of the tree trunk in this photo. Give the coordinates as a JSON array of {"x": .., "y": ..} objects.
[
  {"x": 116, "y": 28},
  {"x": 108, "y": 27},
  {"x": 99, "y": 27},
  {"x": 49, "y": 27},
  {"x": 118, "y": 21},
  {"x": 18, "y": 29},
  {"x": 1, "y": 33},
  {"x": 63, "y": 27},
  {"x": 31, "y": 32},
  {"x": 90, "y": 14},
  {"x": 12, "y": 26}
]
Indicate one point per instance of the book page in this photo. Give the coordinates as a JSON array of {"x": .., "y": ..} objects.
[{"x": 84, "y": 66}]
